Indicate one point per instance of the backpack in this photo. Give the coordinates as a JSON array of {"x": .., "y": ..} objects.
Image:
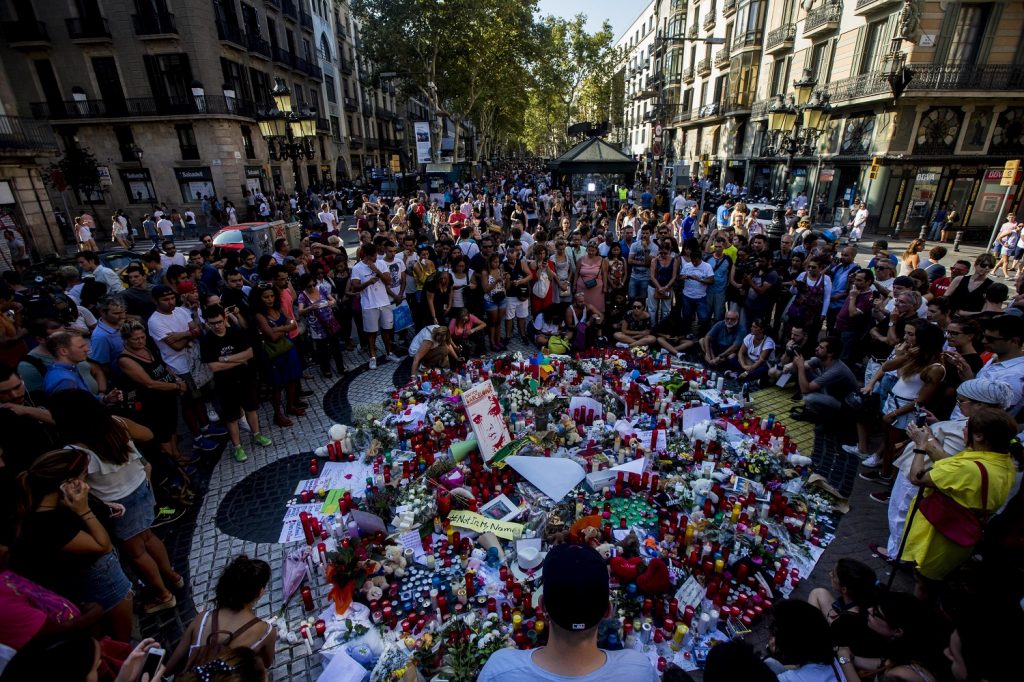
[{"x": 211, "y": 649}]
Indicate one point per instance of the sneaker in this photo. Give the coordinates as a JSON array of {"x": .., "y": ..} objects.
[
  {"x": 621, "y": 345},
  {"x": 205, "y": 444},
  {"x": 214, "y": 430},
  {"x": 872, "y": 462},
  {"x": 855, "y": 450},
  {"x": 239, "y": 454},
  {"x": 881, "y": 496},
  {"x": 875, "y": 476},
  {"x": 211, "y": 414},
  {"x": 373, "y": 363},
  {"x": 394, "y": 358},
  {"x": 261, "y": 440}
]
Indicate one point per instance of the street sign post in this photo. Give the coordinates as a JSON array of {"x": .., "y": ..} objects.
[{"x": 1009, "y": 179}]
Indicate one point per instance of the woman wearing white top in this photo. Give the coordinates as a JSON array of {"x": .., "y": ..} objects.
[
  {"x": 83, "y": 234},
  {"x": 757, "y": 348},
  {"x": 118, "y": 476},
  {"x": 119, "y": 230}
]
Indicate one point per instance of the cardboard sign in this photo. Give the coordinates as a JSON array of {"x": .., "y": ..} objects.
[
  {"x": 484, "y": 412},
  {"x": 482, "y": 524}
]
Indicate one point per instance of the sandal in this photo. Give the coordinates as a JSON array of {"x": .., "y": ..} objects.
[
  {"x": 282, "y": 420},
  {"x": 879, "y": 551},
  {"x": 179, "y": 583},
  {"x": 157, "y": 606}
]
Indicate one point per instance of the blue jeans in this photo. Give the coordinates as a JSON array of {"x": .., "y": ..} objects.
[
  {"x": 637, "y": 288},
  {"x": 716, "y": 305},
  {"x": 933, "y": 234},
  {"x": 694, "y": 305}
]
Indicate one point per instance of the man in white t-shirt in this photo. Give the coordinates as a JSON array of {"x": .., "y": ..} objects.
[
  {"x": 170, "y": 255},
  {"x": 191, "y": 226},
  {"x": 696, "y": 274},
  {"x": 370, "y": 279},
  {"x": 328, "y": 219},
  {"x": 860, "y": 222},
  {"x": 165, "y": 227},
  {"x": 678, "y": 202},
  {"x": 174, "y": 329},
  {"x": 395, "y": 265}
]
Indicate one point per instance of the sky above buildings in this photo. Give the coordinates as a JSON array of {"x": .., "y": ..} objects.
[{"x": 620, "y": 13}]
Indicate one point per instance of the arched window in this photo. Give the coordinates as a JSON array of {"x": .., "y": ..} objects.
[{"x": 325, "y": 48}]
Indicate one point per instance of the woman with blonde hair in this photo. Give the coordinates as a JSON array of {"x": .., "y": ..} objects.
[
  {"x": 433, "y": 347},
  {"x": 911, "y": 258}
]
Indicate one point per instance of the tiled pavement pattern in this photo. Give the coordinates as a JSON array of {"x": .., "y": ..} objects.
[
  {"x": 240, "y": 510},
  {"x": 778, "y": 401}
]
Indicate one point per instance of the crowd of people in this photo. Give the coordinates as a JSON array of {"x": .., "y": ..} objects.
[{"x": 115, "y": 387}]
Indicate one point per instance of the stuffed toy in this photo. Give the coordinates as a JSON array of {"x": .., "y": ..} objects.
[
  {"x": 655, "y": 578},
  {"x": 626, "y": 570}
]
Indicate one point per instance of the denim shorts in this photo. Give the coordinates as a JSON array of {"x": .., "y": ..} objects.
[
  {"x": 138, "y": 513},
  {"x": 490, "y": 305},
  {"x": 104, "y": 582}
]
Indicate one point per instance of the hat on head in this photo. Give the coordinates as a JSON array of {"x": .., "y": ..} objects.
[
  {"x": 575, "y": 586},
  {"x": 161, "y": 290},
  {"x": 186, "y": 287},
  {"x": 988, "y": 391}
]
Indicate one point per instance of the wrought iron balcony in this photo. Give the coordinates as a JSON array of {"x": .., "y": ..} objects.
[
  {"x": 283, "y": 56},
  {"x": 323, "y": 125},
  {"x": 673, "y": 80},
  {"x": 678, "y": 6},
  {"x": 759, "y": 109},
  {"x": 688, "y": 74},
  {"x": 189, "y": 105},
  {"x": 746, "y": 41},
  {"x": 823, "y": 19},
  {"x": 864, "y": 7},
  {"x": 709, "y": 22},
  {"x": 351, "y": 105},
  {"x": 709, "y": 110},
  {"x": 25, "y": 134},
  {"x": 780, "y": 38},
  {"x": 736, "y": 105},
  {"x": 967, "y": 77},
  {"x": 704, "y": 67},
  {"x": 258, "y": 45},
  {"x": 26, "y": 33},
  {"x": 231, "y": 33},
  {"x": 88, "y": 29},
  {"x": 692, "y": 31},
  {"x": 345, "y": 66},
  {"x": 289, "y": 9},
  {"x": 158, "y": 24},
  {"x": 722, "y": 58},
  {"x": 355, "y": 142},
  {"x": 306, "y": 21},
  {"x": 728, "y": 8}
]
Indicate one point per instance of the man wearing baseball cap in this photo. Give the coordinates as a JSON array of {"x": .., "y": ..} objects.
[{"x": 575, "y": 599}]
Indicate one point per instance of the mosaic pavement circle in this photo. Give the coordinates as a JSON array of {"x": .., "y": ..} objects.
[{"x": 252, "y": 509}]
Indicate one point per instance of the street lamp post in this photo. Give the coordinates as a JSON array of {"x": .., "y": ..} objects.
[
  {"x": 289, "y": 133},
  {"x": 137, "y": 152},
  {"x": 794, "y": 124}
]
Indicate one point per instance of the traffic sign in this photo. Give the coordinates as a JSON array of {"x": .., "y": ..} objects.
[
  {"x": 1010, "y": 173},
  {"x": 657, "y": 130}
]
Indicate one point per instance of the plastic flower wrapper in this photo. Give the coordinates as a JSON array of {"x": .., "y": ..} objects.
[{"x": 293, "y": 571}]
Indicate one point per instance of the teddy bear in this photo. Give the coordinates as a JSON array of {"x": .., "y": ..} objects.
[
  {"x": 374, "y": 587},
  {"x": 591, "y": 536},
  {"x": 605, "y": 550},
  {"x": 568, "y": 427},
  {"x": 394, "y": 561}
]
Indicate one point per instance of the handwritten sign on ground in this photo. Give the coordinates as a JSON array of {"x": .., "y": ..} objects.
[{"x": 482, "y": 524}]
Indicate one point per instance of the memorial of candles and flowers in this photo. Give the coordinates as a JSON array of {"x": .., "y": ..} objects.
[{"x": 417, "y": 541}]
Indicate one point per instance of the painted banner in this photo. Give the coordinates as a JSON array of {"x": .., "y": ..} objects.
[
  {"x": 422, "y": 129},
  {"x": 484, "y": 412}
]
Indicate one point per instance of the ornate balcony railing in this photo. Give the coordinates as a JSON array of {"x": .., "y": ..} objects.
[
  {"x": 688, "y": 74},
  {"x": 88, "y": 28},
  {"x": 823, "y": 18},
  {"x": 967, "y": 77},
  {"x": 722, "y": 58},
  {"x": 258, "y": 45},
  {"x": 780, "y": 36},
  {"x": 306, "y": 21},
  {"x": 682, "y": 116},
  {"x": 759, "y": 109},
  {"x": 351, "y": 105},
  {"x": 728, "y": 8},
  {"x": 709, "y": 22},
  {"x": 704, "y": 67},
  {"x": 189, "y": 105},
  {"x": 21, "y": 32},
  {"x": 25, "y": 133},
  {"x": 289, "y": 8},
  {"x": 692, "y": 31},
  {"x": 746, "y": 40},
  {"x": 736, "y": 105},
  {"x": 156, "y": 24}
]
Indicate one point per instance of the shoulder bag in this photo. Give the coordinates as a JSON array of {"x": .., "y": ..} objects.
[{"x": 954, "y": 521}]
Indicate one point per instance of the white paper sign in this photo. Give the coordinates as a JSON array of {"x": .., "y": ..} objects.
[
  {"x": 645, "y": 440},
  {"x": 554, "y": 476},
  {"x": 484, "y": 412},
  {"x": 291, "y": 530},
  {"x": 690, "y": 593},
  {"x": 695, "y": 415}
]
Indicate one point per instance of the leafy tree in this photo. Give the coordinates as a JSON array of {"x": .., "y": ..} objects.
[
  {"x": 450, "y": 54},
  {"x": 80, "y": 170},
  {"x": 570, "y": 60}
]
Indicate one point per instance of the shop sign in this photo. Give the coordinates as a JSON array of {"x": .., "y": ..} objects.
[
  {"x": 826, "y": 175},
  {"x": 927, "y": 178},
  {"x": 104, "y": 174},
  {"x": 253, "y": 172},
  {"x": 192, "y": 174}
]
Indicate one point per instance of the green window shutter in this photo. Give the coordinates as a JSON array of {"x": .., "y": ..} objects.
[
  {"x": 990, "y": 34},
  {"x": 946, "y": 33}
]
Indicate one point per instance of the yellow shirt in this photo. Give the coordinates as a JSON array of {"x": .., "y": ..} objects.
[{"x": 959, "y": 478}]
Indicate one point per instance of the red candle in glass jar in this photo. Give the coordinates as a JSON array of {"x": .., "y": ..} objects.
[
  {"x": 314, "y": 467},
  {"x": 320, "y": 626},
  {"x": 307, "y": 598}
]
